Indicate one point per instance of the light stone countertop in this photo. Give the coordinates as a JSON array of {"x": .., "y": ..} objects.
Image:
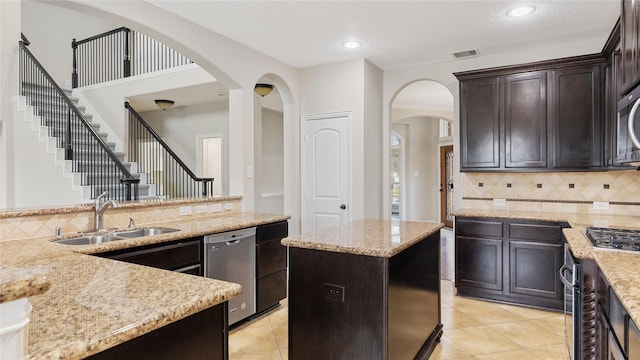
[
  {"x": 620, "y": 267},
  {"x": 86, "y": 304},
  {"x": 370, "y": 237}
]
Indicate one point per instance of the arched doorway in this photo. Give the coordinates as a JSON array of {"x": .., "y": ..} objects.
[
  {"x": 421, "y": 114},
  {"x": 268, "y": 148}
]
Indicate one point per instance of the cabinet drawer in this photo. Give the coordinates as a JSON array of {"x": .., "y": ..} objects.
[
  {"x": 168, "y": 257},
  {"x": 537, "y": 232},
  {"x": 478, "y": 227},
  {"x": 274, "y": 231},
  {"x": 271, "y": 289},
  {"x": 271, "y": 257}
]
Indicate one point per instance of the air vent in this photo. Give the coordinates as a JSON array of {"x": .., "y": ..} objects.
[{"x": 464, "y": 54}]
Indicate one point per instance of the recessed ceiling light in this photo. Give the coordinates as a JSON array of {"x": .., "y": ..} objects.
[
  {"x": 521, "y": 11},
  {"x": 351, "y": 44}
]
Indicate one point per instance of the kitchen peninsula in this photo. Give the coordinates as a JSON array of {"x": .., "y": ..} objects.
[
  {"x": 365, "y": 290},
  {"x": 92, "y": 307}
]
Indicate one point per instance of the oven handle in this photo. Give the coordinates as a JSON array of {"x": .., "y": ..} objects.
[
  {"x": 630, "y": 124},
  {"x": 563, "y": 277}
]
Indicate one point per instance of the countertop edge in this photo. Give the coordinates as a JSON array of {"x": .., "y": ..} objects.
[{"x": 387, "y": 252}]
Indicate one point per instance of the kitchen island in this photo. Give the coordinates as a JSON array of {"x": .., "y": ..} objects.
[
  {"x": 90, "y": 307},
  {"x": 365, "y": 290}
]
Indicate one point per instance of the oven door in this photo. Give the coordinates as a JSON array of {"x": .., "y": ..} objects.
[{"x": 570, "y": 275}]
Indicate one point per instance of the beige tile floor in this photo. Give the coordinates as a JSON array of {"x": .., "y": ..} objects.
[{"x": 473, "y": 330}]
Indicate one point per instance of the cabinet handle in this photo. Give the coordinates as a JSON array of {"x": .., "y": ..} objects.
[{"x": 630, "y": 124}]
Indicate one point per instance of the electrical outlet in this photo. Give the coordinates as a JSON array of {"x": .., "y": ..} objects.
[
  {"x": 500, "y": 202},
  {"x": 216, "y": 207},
  {"x": 185, "y": 210},
  {"x": 228, "y": 206},
  {"x": 334, "y": 292},
  {"x": 600, "y": 205},
  {"x": 200, "y": 209}
]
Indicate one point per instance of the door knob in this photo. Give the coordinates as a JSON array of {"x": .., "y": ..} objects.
[{"x": 343, "y": 206}]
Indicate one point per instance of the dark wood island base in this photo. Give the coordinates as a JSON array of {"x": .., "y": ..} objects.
[{"x": 381, "y": 303}]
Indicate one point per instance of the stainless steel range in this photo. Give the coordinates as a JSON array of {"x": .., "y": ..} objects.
[{"x": 610, "y": 238}]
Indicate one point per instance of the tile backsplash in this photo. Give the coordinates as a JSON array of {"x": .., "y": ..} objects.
[
  {"x": 44, "y": 224},
  {"x": 558, "y": 192}
]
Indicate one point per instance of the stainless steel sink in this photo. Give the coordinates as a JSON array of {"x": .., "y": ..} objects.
[
  {"x": 89, "y": 240},
  {"x": 143, "y": 232}
]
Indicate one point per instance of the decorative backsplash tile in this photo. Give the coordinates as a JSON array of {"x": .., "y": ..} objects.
[
  {"x": 37, "y": 225},
  {"x": 558, "y": 192}
]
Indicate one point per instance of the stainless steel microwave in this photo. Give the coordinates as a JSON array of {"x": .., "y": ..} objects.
[{"x": 628, "y": 129}]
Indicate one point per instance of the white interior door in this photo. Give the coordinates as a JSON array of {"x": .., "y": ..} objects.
[{"x": 327, "y": 159}]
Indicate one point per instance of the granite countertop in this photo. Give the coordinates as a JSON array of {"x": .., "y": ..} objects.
[
  {"x": 86, "y": 304},
  {"x": 370, "y": 237},
  {"x": 620, "y": 267}
]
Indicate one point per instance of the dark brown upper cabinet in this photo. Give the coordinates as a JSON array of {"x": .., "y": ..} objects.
[
  {"x": 525, "y": 120},
  {"x": 481, "y": 137},
  {"x": 577, "y": 117},
  {"x": 630, "y": 44},
  {"x": 544, "y": 116}
]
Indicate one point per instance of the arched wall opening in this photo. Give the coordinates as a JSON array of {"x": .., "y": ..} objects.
[{"x": 417, "y": 112}]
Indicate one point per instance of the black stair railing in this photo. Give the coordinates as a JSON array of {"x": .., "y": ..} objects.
[
  {"x": 172, "y": 177},
  {"x": 101, "y": 169},
  {"x": 120, "y": 53}
]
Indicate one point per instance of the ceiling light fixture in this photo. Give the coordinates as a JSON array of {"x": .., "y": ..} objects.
[
  {"x": 263, "y": 89},
  {"x": 164, "y": 104},
  {"x": 351, "y": 44},
  {"x": 521, "y": 11}
]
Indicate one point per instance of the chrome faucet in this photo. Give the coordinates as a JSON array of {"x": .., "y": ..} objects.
[{"x": 100, "y": 208}]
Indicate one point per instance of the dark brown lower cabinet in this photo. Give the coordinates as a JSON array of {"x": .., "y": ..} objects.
[
  {"x": 198, "y": 337},
  {"x": 271, "y": 265},
  {"x": 183, "y": 256},
  {"x": 384, "y": 308},
  {"x": 511, "y": 261}
]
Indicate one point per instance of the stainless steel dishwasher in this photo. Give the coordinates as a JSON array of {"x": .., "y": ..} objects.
[{"x": 231, "y": 256}]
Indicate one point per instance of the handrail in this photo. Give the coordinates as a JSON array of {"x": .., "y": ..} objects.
[
  {"x": 120, "y": 53},
  {"x": 25, "y": 41},
  {"x": 99, "y": 36},
  {"x": 207, "y": 182},
  {"x": 72, "y": 109}
]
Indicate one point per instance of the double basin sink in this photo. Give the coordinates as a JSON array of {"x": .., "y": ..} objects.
[{"x": 118, "y": 235}]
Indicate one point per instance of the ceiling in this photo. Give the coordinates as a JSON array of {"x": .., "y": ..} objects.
[{"x": 395, "y": 34}]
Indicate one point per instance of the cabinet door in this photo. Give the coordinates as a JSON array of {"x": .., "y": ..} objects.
[
  {"x": 534, "y": 269},
  {"x": 525, "y": 120},
  {"x": 480, "y": 124},
  {"x": 629, "y": 38},
  {"x": 577, "y": 117},
  {"x": 479, "y": 262}
]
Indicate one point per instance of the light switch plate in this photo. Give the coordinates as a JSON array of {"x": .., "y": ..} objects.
[
  {"x": 185, "y": 210},
  {"x": 600, "y": 205},
  {"x": 500, "y": 202},
  {"x": 216, "y": 207}
]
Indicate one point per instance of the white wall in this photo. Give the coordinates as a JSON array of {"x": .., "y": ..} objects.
[
  {"x": 51, "y": 29},
  {"x": 421, "y": 168},
  {"x": 180, "y": 126},
  {"x": 9, "y": 37},
  {"x": 372, "y": 132},
  {"x": 269, "y": 161}
]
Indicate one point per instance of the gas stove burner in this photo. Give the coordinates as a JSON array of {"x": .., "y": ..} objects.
[{"x": 609, "y": 238}]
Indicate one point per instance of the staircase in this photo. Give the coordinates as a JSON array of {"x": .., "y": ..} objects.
[{"x": 90, "y": 171}]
